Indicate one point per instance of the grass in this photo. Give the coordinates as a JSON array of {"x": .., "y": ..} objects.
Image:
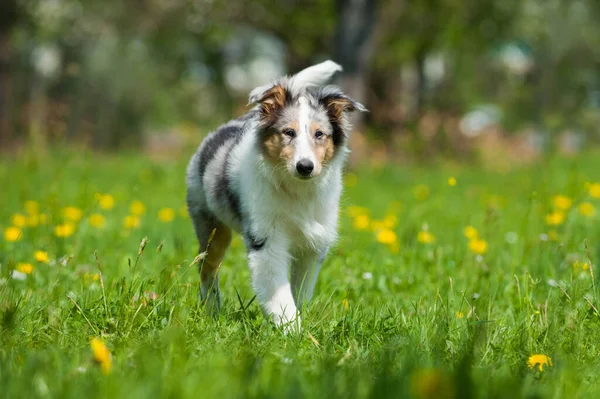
[{"x": 395, "y": 319}]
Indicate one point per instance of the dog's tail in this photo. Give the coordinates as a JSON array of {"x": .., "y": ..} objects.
[{"x": 316, "y": 75}]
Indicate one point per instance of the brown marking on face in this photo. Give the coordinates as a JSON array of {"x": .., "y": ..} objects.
[
  {"x": 276, "y": 146},
  {"x": 272, "y": 102},
  {"x": 324, "y": 147},
  {"x": 336, "y": 106}
]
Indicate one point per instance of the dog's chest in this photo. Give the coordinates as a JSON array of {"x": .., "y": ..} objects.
[{"x": 306, "y": 223}]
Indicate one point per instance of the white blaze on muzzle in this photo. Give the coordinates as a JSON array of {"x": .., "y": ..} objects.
[{"x": 304, "y": 148}]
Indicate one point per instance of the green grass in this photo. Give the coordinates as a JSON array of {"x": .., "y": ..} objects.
[{"x": 382, "y": 324}]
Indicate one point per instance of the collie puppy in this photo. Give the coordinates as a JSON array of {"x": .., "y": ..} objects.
[{"x": 274, "y": 176}]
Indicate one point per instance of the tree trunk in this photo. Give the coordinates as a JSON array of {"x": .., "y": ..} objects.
[{"x": 8, "y": 19}]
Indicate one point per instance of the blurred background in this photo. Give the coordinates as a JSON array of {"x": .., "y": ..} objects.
[{"x": 499, "y": 80}]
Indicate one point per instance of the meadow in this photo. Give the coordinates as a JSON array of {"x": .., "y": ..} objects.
[{"x": 450, "y": 281}]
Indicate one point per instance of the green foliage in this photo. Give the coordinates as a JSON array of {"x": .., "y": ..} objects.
[{"x": 430, "y": 320}]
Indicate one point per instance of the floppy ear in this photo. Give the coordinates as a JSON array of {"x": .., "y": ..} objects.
[
  {"x": 270, "y": 98},
  {"x": 337, "y": 104}
]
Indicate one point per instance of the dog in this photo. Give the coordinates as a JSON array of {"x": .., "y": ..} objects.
[{"x": 274, "y": 176}]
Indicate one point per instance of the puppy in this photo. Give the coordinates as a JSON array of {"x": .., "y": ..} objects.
[{"x": 274, "y": 176}]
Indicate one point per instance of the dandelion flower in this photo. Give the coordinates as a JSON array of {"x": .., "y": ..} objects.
[
  {"x": 555, "y": 218},
  {"x": 32, "y": 207},
  {"x": 12, "y": 234},
  {"x": 345, "y": 304},
  {"x": 425, "y": 237},
  {"x": 97, "y": 220},
  {"x": 562, "y": 202},
  {"x": 459, "y": 315},
  {"x": 101, "y": 355},
  {"x": 41, "y": 256},
  {"x": 478, "y": 246},
  {"x": 540, "y": 361},
  {"x": 451, "y": 181},
  {"x": 106, "y": 201},
  {"x": 470, "y": 232},
  {"x": 131, "y": 222},
  {"x": 594, "y": 190},
  {"x": 26, "y": 268},
  {"x": 587, "y": 209},
  {"x": 386, "y": 236},
  {"x": 361, "y": 222},
  {"x": 137, "y": 208},
  {"x": 166, "y": 215},
  {"x": 18, "y": 220},
  {"x": 72, "y": 213},
  {"x": 64, "y": 230},
  {"x": 355, "y": 211}
]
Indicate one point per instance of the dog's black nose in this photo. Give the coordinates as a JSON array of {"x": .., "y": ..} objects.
[{"x": 305, "y": 167}]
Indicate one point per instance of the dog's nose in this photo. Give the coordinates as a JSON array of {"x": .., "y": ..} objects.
[{"x": 305, "y": 167}]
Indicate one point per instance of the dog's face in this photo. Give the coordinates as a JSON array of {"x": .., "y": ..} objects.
[{"x": 306, "y": 131}]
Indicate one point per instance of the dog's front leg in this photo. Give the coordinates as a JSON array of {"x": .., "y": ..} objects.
[
  {"x": 269, "y": 265},
  {"x": 305, "y": 270}
]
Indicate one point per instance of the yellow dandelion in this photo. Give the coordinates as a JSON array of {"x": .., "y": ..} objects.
[
  {"x": 470, "y": 232},
  {"x": 390, "y": 221},
  {"x": 459, "y": 315},
  {"x": 18, "y": 220},
  {"x": 594, "y": 190},
  {"x": 540, "y": 361},
  {"x": 106, "y": 201},
  {"x": 587, "y": 209},
  {"x": 64, "y": 230},
  {"x": 97, "y": 220},
  {"x": 131, "y": 222},
  {"x": 101, "y": 355},
  {"x": 345, "y": 304},
  {"x": 425, "y": 237},
  {"x": 555, "y": 218},
  {"x": 41, "y": 256},
  {"x": 72, "y": 213},
  {"x": 361, "y": 222},
  {"x": 421, "y": 192},
  {"x": 137, "y": 208},
  {"x": 12, "y": 234},
  {"x": 452, "y": 181},
  {"x": 26, "y": 268},
  {"x": 478, "y": 246},
  {"x": 32, "y": 207},
  {"x": 166, "y": 215},
  {"x": 386, "y": 236},
  {"x": 350, "y": 180},
  {"x": 355, "y": 211},
  {"x": 562, "y": 202},
  {"x": 90, "y": 277}
]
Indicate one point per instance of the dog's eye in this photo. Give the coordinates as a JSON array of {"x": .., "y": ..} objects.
[
  {"x": 318, "y": 134},
  {"x": 289, "y": 133}
]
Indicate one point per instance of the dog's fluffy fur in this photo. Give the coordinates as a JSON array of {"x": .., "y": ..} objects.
[{"x": 275, "y": 176}]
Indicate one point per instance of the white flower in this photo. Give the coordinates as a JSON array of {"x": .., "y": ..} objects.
[
  {"x": 511, "y": 237},
  {"x": 367, "y": 275}
]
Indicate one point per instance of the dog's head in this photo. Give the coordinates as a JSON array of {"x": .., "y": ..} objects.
[{"x": 303, "y": 126}]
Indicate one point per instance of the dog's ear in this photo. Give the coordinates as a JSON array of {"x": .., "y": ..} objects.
[
  {"x": 270, "y": 98},
  {"x": 337, "y": 103}
]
